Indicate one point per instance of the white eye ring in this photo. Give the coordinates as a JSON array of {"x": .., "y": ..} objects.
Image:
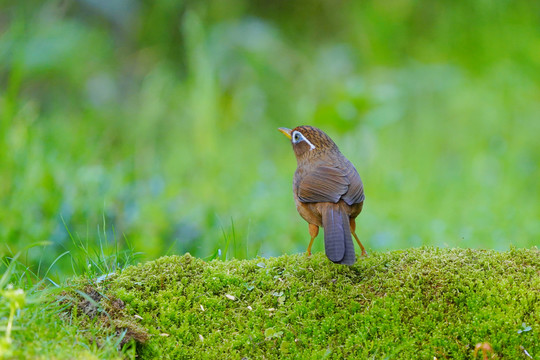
[{"x": 297, "y": 137}]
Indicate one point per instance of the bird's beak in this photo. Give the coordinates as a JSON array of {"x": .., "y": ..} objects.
[{"x": 286, "y": 132}]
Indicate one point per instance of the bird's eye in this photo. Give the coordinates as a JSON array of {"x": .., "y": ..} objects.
[{"x": 298, "y": 137}]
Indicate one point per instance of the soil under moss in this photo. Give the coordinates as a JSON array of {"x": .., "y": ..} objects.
[{"x": 419, "y": 303}]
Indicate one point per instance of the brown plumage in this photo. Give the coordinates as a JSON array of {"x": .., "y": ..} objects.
[{"x": 328, "y": 192}]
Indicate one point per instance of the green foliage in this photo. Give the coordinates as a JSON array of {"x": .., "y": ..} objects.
[
  {"x": 11, "y": 300},
  {"x": 415, "y": 304},
  {"x": 160, "y": 117}
]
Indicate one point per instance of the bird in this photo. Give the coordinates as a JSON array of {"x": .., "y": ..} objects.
[{"x": 328, "y": 192}]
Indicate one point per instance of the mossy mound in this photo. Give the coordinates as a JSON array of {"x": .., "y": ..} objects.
[{"x": 419, "y": 303}]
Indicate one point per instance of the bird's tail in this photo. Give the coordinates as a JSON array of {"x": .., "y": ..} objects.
[{"x": 338, "y": 243}]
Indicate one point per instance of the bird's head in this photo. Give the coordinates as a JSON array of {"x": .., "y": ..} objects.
[{"x": 308, "y": 141}]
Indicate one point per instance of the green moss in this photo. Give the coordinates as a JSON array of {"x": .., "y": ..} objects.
[{"x": 419, "y": 303}]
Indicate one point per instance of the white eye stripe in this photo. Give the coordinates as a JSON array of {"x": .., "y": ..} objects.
[{"x": 297, "y": 137}]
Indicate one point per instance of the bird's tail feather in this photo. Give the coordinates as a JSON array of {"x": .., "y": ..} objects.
[{"x": 338, "y": 243}]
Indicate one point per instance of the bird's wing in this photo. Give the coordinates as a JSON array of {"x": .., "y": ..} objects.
[
  {"x": 355, "y": 192},
  {"x": 330, "y": 184}
]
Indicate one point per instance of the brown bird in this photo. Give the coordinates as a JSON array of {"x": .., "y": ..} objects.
[{"x": 328, "y": 192}]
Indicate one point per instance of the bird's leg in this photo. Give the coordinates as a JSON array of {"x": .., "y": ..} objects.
[
  {"x": 313, "y": 231},
  {"x": 352, "y": 222}
]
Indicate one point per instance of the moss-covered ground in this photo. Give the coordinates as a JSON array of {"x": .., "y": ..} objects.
[{"x": 419, "y": 303}]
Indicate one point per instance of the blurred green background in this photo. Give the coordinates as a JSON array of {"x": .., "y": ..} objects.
[{"x": 153, "y": 124}]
